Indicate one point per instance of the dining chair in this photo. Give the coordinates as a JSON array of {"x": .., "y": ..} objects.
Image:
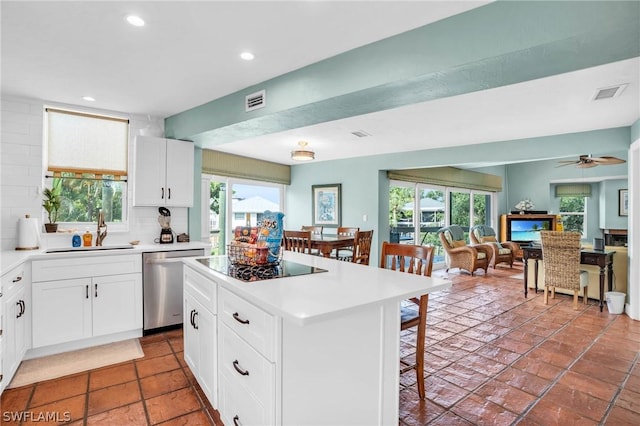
[
  {"x": 361, "y": 248},
  {"x": 298, "y": 241},
  {"x": 503, "y": 252},
  {"x": 345, "y": 253},
  {"x": 315, "y": 231},
  {"x": 561, "y": 262},
  {"x": 412, "y": 259}
]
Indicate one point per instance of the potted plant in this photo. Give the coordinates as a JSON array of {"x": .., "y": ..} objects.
[{"x": 51, "y": 203}]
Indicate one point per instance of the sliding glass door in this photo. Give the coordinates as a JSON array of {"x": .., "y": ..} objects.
[{"x": 418, "y": 211}]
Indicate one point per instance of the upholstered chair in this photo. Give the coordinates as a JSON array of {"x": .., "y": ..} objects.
[
  {"x": 504, "y": 252},
  {"x": 462, "y": 255}
]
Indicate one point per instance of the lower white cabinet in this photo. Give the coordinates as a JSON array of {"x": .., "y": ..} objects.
[
  {"x": 200, "y": 331},
  {"x": 85, "y": 297},
  {"x": 73, "y": 309},
  {"x": 16, "y": 325}
]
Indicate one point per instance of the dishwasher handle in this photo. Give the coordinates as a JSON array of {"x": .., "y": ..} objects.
[{"x": 163, "y": 261}]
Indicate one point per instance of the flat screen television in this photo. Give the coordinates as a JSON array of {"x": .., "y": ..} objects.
[{"x": 527, "y": 230}]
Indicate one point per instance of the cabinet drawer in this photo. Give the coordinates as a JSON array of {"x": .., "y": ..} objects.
[
  {"x": 589, "y": 259},
  {"x": 240, "y": 408},
  {"x": 15, "y": 276},
  {"x": 85, "y": 266},
  {"x": 254, "y": 325},
  {"x": 201, "y": 288},
  {"x": 245, "y": 367}
]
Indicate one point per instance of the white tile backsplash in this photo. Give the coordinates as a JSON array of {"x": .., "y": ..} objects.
[{"x": 22, "y": 177}]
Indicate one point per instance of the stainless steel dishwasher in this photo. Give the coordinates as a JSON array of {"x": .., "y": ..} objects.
[{"x": 162, "y": 279}]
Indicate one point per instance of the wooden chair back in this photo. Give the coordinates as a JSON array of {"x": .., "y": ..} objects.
[
  {"x": 347, "y": 231},
  {"x": 407, "y": 258},
  {"x": 362, "y": 247},
  {"x": 298, "y": 241},
  {"x": 412, "y": 259},
  {"x": 315, "y": 230}
]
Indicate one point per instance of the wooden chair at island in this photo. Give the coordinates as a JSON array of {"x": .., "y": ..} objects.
[
  {"x": 417, "y": 260},
  {"x": 504, "y": 252},
  {"x": 298, "y": 241},
  {"x": 462, "y": 255},
  {"x": 561, "y": 262},
  {"x": 345, "y": 253}
]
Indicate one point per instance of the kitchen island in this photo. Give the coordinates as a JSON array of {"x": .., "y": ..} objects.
[{"x": 320, "y": 348}]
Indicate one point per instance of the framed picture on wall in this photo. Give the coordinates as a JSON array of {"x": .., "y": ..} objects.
[
  {"x": 623, "y": 202},
  {"x": 327, "y": 205}
]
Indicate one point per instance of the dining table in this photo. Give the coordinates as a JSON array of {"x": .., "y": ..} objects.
[{"x": 326, "y": 243}]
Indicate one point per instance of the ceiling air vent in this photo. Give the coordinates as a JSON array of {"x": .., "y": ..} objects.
[
  {"x": 609, "y": 92},
  {"x": 255, "y": 101},
  {"x": 360, "y": 133}
]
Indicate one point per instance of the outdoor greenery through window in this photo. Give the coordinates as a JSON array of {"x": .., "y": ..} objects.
[
  {"x": 573, "y": 213},
  {"x": 87, "y": 164},
  {"x": 464, "y": 207}
]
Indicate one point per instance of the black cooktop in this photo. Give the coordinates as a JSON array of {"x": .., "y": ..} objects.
[{"x": 248, "y": 273}]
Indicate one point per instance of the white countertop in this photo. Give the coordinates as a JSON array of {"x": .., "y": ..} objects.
[
  {"x": 12, "y": 258},
  {"x": 314, "y": 297}
]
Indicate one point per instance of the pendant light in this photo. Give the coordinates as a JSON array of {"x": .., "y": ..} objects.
[{"x": 302, "y": 153}]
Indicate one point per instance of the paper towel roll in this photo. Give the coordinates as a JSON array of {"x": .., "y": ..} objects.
[{"x": 28, "y": 234}]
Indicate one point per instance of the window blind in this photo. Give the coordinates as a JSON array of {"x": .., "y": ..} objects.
[
  {"x": 223, "y": 164},
  {"x": 449, "y": 176},
  {"x": 83, "y": 143},
  {"x": 573, "y": 190}
]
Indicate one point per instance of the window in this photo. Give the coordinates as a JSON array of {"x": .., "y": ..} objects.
[
  {"x": 87, "y": 163},
  {"x": 432, "y": 204},
  {"x": 573, "y": 213}
]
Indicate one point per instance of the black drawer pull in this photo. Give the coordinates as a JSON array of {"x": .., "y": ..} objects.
[
  {"x": 18, "y": 278},
  {"x": 162, "y": 196},
  {"x": 236, "y": 421},
  {"x": 240, "y": 320},
  {"x": 96, "y": 287},
  {"x": 87, "y": 292},
  {"x": 195, "y": 316},
  {"x": 238, "y": 369}
]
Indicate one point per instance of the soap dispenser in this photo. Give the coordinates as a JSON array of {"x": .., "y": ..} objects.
[
  {"x": 87, "y": 238},
  {"x": 76, "y": 241}
]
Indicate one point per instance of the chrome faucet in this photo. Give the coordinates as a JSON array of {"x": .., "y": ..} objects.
[{"x": 101, "y": 234}]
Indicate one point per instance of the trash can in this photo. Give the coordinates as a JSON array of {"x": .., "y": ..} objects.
[{"x": 615, "y": 301}]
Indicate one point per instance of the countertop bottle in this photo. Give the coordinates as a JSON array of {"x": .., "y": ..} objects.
[
  {"x": 76, "y": 241},
  {"x": 87, "y": 238}
]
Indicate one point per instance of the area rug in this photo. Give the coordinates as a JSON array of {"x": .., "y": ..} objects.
[{"x": 54, "y": 366}]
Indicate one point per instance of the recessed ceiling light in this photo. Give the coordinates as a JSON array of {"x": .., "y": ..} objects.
[
  {"x": 88, "y": 98},
  {"x": 247, "y": 56},
  {"x": 134, "y": 20}
]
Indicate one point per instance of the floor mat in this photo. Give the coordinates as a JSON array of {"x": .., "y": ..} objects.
[{"x": 54, "y": 366}]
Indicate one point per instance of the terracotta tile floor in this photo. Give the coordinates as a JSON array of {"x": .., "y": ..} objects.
[{"x": 493, "y": 357}]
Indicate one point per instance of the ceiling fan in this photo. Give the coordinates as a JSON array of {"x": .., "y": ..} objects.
[{"x": 587, "y": 161}]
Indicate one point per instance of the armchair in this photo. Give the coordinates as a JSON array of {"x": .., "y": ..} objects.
[
  {"x": 504, "y": 252},
  {"x": 460, "y": 254}
]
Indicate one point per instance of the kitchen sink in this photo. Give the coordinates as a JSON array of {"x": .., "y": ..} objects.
[{"x": 93, "y": 248}]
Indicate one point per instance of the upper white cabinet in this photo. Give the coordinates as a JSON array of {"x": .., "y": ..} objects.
[{"x": 163, "y": 172}]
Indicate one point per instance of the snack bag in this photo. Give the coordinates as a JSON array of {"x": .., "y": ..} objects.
[
  {"x": 270, "y": 235},
  {"x": 246, "y": 234}
]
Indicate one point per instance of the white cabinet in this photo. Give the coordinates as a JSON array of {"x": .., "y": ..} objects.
[
  {"x": 80, "y": 298},
  {"x": 163, "y": 172},
  {"x": 16, "y": 324},
  {"x": 200, "y": 331}
]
